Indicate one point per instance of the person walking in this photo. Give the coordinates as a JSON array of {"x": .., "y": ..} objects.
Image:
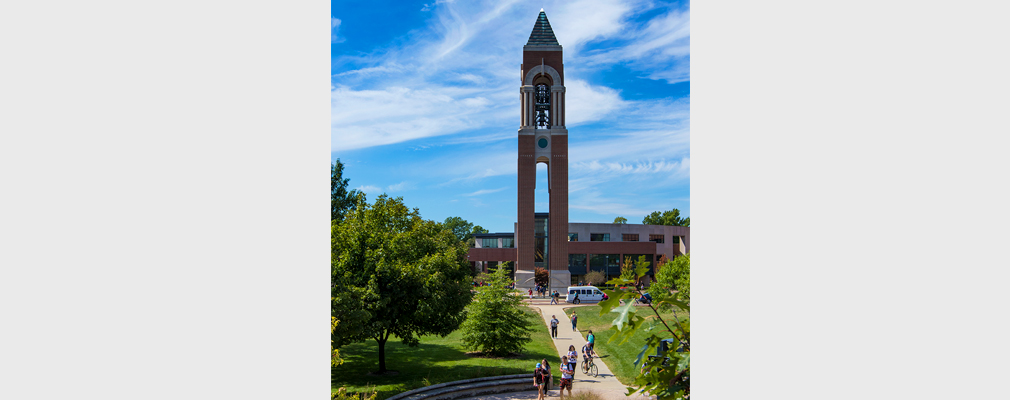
[
  {"x": 554, "y": 297},
  {"x": 566, "y": 378},
  {"x": 548, "y": 381},
  {"x": 554, "y": 326},
  {"x": 539, "y": 379},
  {"x": 575, "y": 320},
  {"x": 573, "y": 357}
]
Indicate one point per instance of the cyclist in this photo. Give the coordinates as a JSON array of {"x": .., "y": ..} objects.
[
  {"x": 592, "y": 342},
  {"x": 586, "y": 359}
]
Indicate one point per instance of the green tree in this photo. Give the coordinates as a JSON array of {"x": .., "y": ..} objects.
[
  {"x": 671, "y": 217},
  {"x": 665, "y": 380},
  {"x": 459, "y": 227},
  {"x": 496, "y": 322},
  {"x": 676, "y": 274},
  {"x": 395, "y": 274},
  {"x": 341, "y": 199},
  {"x": 594, "y": 278},
  {"x": 631, "y": 265},
  {"x": 620, "y": 220}
]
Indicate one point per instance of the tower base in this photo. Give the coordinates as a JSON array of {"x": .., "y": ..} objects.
[{"x": 560, "y": 280}]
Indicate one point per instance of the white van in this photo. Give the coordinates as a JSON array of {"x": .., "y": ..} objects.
[{"x": 586, "y": 293}]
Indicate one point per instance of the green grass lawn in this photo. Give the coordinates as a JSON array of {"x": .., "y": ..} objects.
[
  {"x": 620, "y": 358},
  {"x": 435, "y": 360}
]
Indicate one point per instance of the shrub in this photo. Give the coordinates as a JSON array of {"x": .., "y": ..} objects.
[
  {"x": 595, "y": 278},
  {"x": 541, "y": 276},
  {"x": 496, "y": 321},
  {"x": 676, "y": 274}
]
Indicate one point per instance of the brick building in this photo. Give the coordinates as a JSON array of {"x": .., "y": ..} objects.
[{"x": 548, "y": 240}]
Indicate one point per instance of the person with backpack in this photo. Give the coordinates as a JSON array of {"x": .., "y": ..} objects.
[
  {"x": 566, "y": 378},
  {"x": 575, "y": 320},
  {"x": 554, "y": 326},
  {"x": 539, "y": 380},
  {"x": 592, "y": 343}
]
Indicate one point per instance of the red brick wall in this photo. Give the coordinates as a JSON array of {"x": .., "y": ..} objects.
[
  {"x": 491, "y": 255},
  {"x": 551, "y": 58},
  {"x": 559, "y": 203},
  {"x": 524, "y": 219}
]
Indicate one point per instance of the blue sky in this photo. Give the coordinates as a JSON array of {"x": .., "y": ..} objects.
[{"x": 425, "y": 105}]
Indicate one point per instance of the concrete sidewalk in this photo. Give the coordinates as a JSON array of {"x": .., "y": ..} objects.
[{"x": 606, "y": 384}]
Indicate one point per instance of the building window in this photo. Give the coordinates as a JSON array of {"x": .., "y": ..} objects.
[
  {"x": 507, "y": 243},
  {"x": 675, "y": 239},
  {"x": 576, "y": 279},
  {"x": 577, "y": 261},
  {"x": 599, "y": 237},
  {"x": 489, "y": 243},
  {"x": 629, "y": 237},
  {"x": 573, "y": 237},
  {"x": 656, "y": 238}
]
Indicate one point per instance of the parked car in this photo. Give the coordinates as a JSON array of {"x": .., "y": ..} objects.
[
  {"x": 645, "y": 299},
  {"x": 586, "y": 293}
]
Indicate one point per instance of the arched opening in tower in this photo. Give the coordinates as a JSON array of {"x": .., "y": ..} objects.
[{"x": 541, "y": 205}]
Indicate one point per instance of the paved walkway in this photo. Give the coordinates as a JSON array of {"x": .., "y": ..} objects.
[{"x": 606, "y": 384}]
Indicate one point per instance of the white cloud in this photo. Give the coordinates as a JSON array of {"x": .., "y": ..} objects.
[
  {"x": 587, "y": 103},
  {"x": 578, "y": 22},
  {"x": 370, "y": 190},
  {"x": 365, "y": 118},
  {"x": 484, "y": 191},
  {"x": 399, "y": 187},
  {"x": 660, "y": 49},
  {"x": 334, "y": 28}
]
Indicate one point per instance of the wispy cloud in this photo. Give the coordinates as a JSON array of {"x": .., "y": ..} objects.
[
  {"x": 334, "y": 30},
  {"x": 449, "y": 78},
  {"x": 370, "y": 190},
  {"x": 484, "y": 191},
  {"x": 399, "y": 187}
]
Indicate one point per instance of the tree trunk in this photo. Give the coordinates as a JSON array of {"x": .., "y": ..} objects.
[{"x": 381, "y": 340}]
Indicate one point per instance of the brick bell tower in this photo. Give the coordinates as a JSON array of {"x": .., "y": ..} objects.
[{"x": 542, "y": 238}]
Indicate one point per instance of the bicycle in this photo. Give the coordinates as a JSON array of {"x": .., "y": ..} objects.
[{"x": 589, "y": 368}]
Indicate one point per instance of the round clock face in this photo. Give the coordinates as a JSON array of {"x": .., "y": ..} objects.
[{"x": 542, "y": 142}]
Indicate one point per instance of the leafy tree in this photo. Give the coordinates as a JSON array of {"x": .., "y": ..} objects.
[
  {"x": 671, "y": 217},
  {"x": 594, "y": 278},
  {"x": 676, "y": 274},
  {"x": 628, "y": 269},
  {"x": 496, "y": 321},
  {"x": 669, "y": 379},
  {"x": 541, "y": 276},
  {"x": 395, "y": 274},
  {"x": 459, "y": 227},
  {"x": 340, "y": 198},
  {"x": 631, "y": 265},
  {"x": 620, "y": 220}
]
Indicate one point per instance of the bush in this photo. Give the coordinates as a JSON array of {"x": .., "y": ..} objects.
[
  {"x": 496, "y": 322},
  {"x": 595, "y": 278},
  {"x": 676, "y": 274},
  {"x": 541, "y": 276}
]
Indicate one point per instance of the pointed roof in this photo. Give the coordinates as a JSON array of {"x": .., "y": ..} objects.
[{"x": 542, "y": 34}]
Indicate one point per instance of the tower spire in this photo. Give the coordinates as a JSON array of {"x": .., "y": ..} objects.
[{"x": 542, "y": 33}]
